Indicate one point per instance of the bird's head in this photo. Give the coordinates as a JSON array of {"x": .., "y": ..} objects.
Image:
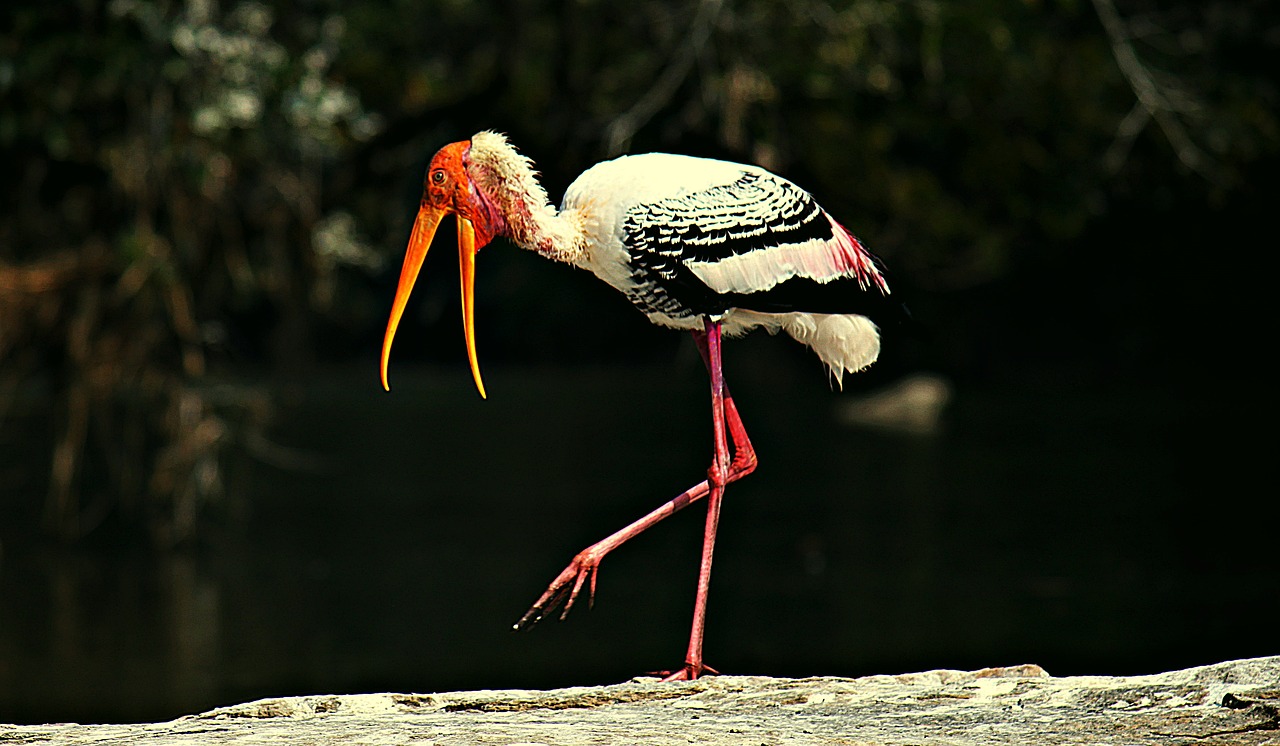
[{"x": 448, "y": 189}]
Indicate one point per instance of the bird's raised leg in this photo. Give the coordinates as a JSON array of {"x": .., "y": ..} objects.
[{"x": 569, "y": 583}]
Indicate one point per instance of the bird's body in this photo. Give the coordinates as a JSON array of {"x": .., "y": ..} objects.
[
  {"x": 708, "y": 246},
  {"x": 687, "y": 238}
]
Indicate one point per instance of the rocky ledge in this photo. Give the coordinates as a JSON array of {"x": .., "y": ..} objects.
[{"x": 1236, "y": 703}]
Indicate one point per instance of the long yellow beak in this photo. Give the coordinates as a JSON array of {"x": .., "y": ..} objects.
[{"x": 424, "y": 230}]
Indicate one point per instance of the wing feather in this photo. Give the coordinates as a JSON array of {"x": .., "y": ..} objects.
[{"x": 738, "y": 241}]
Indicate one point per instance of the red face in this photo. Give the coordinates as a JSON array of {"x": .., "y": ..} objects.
[
  {"x": 447, "y": 190},
  {"x": 446, "y": 186}
]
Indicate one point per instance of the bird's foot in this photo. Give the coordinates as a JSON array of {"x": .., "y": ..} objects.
[
  {"x": 565, "y": 588},
  {"x": 688, "y": 672}
]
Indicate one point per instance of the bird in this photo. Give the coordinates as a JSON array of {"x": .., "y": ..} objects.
[{"x": 708, "y": 246}]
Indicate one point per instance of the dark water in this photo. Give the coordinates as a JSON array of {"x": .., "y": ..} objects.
[{"x": 1116, "y": 530}]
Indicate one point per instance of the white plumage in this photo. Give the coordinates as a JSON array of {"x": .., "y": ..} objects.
[{"x": 605, "y": 196}]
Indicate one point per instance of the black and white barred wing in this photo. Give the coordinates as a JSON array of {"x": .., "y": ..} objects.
[{"x": 745, "y": 238}]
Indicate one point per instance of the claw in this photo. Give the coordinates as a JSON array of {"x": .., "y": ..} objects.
[
  {"x": 573, "y": 596},
  {"x": 567, "y": 584},
  {"x": 688, "y": 672}
]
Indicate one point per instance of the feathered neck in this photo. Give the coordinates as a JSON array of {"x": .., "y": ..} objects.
[{"x": 507, "y": 181}]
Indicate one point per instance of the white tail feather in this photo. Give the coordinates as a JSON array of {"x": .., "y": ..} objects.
[{"x": 847, "y": 343}]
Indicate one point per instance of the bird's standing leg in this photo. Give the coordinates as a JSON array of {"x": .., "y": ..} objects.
[
  {"x": 568, "y": 584},
  {"x": 744, "y": 455},
  {"x": 717, "y": 477}
]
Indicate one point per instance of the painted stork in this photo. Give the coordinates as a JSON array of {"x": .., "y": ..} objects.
[{"x": 712, "y": 247}]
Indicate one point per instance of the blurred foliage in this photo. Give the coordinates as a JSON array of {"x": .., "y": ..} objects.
[
  {"x": 165, "y": 166},
  {"x": 193, "y": 188}
]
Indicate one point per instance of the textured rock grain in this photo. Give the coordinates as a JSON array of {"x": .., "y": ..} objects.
[{"x": 1235, "y": 703}]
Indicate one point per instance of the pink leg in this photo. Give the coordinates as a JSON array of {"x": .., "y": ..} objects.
[
  {"x": 717, "y": 476},
  {"x": 568, "y": 584}
]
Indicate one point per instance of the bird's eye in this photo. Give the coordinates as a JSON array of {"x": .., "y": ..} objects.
[{"x": 437, "y": 177}]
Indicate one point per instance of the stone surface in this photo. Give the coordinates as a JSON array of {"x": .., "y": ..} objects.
[{"x": 1236, "y": 703}]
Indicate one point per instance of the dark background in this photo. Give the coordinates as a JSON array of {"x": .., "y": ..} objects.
[{"x": 205, "y": 496}]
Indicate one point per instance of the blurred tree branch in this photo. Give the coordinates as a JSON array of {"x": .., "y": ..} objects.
[
  {"x": 1163, "y": 101},
  {"x": 624, "y": 126}
]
